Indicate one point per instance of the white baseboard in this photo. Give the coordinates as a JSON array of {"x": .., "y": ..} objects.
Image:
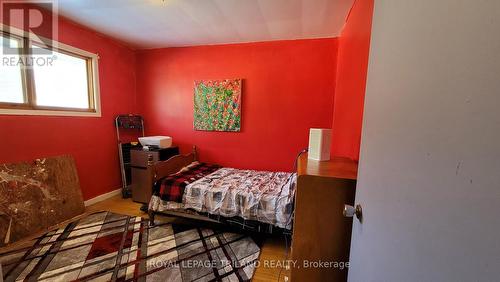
[{"x": 102, "y": 197}]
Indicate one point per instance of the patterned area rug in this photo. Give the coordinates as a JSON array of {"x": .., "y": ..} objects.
[{"x": 111, "y": 247}]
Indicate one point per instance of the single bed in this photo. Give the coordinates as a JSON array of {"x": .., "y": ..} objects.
[{"x": 185, "y": 187}]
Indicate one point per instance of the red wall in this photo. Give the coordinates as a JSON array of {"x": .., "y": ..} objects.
[
  {"x": 354, "y": 45},
  {"x": 288, "y": 87},
  {"x": 91, "y": 141}
]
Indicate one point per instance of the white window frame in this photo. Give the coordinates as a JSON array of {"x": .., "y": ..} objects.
[{"x": 63, "y": 47}]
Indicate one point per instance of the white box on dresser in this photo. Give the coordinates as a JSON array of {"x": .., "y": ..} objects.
[{"x": 320, "y": 140}]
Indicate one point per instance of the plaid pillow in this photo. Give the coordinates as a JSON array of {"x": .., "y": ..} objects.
[{"x": 171, "y": 188}]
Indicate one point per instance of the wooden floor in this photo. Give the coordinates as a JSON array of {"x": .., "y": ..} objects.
[{"x": 273, "y": 250}]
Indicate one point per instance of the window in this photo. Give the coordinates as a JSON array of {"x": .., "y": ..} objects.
[
  {"x": 62, "y": 81},
  {"x": 11, "y": 77}
]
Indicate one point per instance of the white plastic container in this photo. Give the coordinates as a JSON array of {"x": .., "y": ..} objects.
[
  {"x": 159, "y": 141},
  {"x": 320, "y": 140}
]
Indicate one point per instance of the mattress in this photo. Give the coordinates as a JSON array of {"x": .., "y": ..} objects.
[{"x": 262, "y": 196}]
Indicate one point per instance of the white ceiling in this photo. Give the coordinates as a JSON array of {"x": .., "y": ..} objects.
[{"x": 171, "y": 23}]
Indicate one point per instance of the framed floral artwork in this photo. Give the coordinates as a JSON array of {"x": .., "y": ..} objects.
[{"x": 217, "y": 105}]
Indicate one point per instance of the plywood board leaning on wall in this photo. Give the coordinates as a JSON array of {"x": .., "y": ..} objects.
[{"x": 37, "y": 195}]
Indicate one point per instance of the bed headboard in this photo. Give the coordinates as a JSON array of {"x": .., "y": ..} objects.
[{"x": 173, "y": 165}]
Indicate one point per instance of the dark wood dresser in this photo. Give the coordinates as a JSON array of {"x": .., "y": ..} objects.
[{"x": 321, "y": 233}]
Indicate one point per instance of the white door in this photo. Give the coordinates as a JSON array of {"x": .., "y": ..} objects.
[{"x": 429, "y": 175}]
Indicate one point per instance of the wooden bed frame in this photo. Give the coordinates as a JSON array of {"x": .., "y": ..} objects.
[
  {"x": 171, "y": 166},
  {"x": 166, "y": 168},
  {"x": 174, "y": 164}
]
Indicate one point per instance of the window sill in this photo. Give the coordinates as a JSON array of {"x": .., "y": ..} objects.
[{"x": 19, "y": 112}]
